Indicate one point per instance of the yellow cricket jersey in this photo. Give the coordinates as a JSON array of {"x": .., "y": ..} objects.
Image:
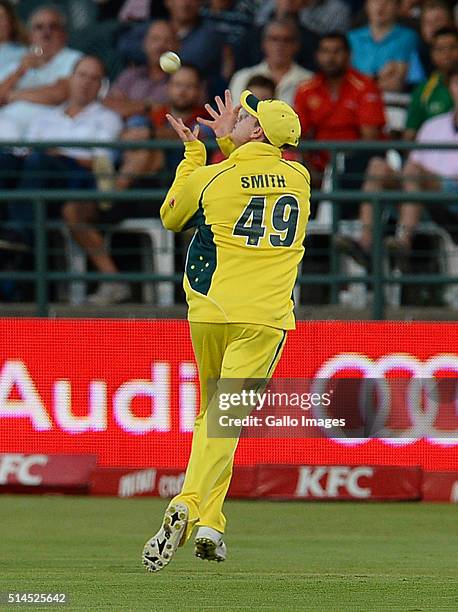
[{"x": 250, "y": 213}]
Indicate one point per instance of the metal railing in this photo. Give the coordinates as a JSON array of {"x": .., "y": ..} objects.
[{"x": 42, "y": 276}]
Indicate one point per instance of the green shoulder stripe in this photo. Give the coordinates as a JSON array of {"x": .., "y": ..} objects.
[{"x": 429, "y": 87}]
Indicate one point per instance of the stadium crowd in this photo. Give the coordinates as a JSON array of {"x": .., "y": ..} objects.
[{"x": 89, "y": 70}]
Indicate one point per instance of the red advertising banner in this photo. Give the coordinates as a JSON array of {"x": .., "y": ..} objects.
[
  {"x": 440, "y": 486},
  {"x": 151, "y": 482},
  {"x": 311, "y": 482},
  {"x": 127, "y": 391},
  {"x": 321, "y": 482}
]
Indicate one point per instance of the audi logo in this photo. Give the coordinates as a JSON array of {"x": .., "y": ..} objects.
[{"x": 424, "y": 401}]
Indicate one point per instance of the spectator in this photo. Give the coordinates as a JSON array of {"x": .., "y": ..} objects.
[
  {"x": 232, "y": 20},
  {"x": 262, "y": 87},
  {"x": 339, "y": 103},
  {"x": 81, "y": 118},
  {"x": 12, "y": 39},
  {"x": 40, "y": 78},
  {"x": 249, "y": 52},
  {"x": 383, "y": 49},
  {"x": 435, "y": 15},
  {"x": 198, "y": 43},
  {"x": 320, "y": 16},
  {"x": 433, "y": 97},
  {"x": 138, "y": 170},
  {"x": 139, "y": 166},
  {"x": 395, "y": 96},
  {"x": 185, "y": 94},
  {"x": 429, "y": 100},
  {"x": 429, "y": 170},
  {"x": 280, "y": 46},
  {"x": 139, "y": 88},
  {"x": 185, "y": 102}
]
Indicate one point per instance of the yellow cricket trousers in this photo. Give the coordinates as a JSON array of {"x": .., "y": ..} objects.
[{"x": 222, "y": 350}]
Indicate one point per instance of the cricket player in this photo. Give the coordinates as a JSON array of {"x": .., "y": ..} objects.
[{"x": 249, "y": 213}]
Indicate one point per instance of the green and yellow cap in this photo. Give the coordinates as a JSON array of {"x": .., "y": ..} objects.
[{"x": 279, "y": 121}]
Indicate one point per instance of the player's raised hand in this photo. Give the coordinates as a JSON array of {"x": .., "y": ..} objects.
[
  {"x": 185, "y": 133},
  {"x": 223, "y": 120}
]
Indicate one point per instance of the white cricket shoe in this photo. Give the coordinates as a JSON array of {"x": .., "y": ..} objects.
[
  {"x": 209, "y": 545},
  {"x": 159, "y": 550}
]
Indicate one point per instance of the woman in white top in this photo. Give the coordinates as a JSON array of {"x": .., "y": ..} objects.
[{"x": 13, "y": 39}]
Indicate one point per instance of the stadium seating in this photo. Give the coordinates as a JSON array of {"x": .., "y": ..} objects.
[{"x": 157, "y": 254}]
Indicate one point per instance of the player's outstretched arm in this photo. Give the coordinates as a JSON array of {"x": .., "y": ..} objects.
[
  {"x": 181, "y": 201},
  {"x": 223, "y": 120},
  {"x": 185, "y": 134}
]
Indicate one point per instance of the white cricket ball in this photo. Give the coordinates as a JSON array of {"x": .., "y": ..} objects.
[{"x": 170, "y": 62}]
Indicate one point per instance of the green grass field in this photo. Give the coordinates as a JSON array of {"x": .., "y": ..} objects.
[{"x": 282, "y": 556}]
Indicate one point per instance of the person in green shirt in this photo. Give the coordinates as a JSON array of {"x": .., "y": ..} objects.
[{"x": 433, "y": 97}]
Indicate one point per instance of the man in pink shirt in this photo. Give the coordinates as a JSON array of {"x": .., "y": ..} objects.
[
  {"x": 429, "y": 170},
  {"x": 140, "y": 88}
]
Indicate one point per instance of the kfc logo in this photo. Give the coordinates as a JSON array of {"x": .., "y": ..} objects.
[
  {"x": 333, "y": 482},
  {"x": 22, "y": 469}
]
